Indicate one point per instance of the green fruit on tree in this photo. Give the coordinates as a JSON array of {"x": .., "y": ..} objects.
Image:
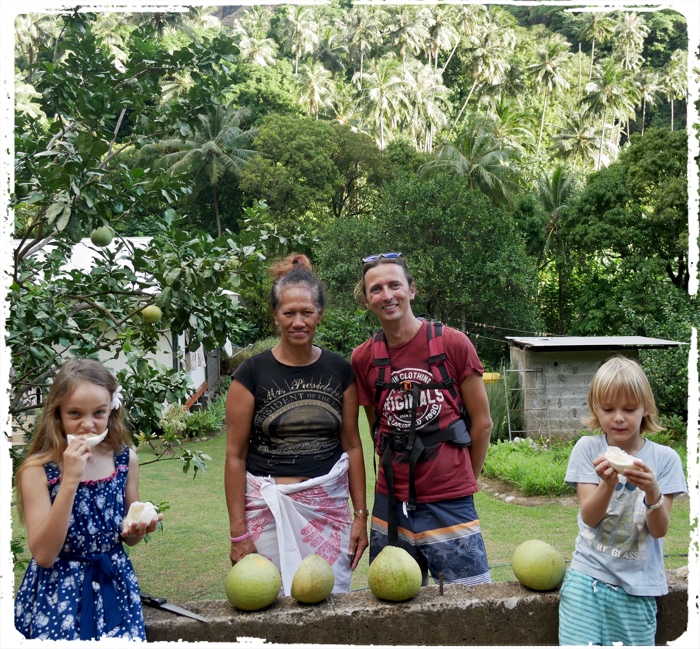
[
  {"x": 313, "y": 580},
  {"x": 151, "y": 313},
  {"x": 253, "y": 583},
  {"x": 538, "y": 565},
  {"x": 394, "y": 575},
  {"x": 102, "y": 236}
]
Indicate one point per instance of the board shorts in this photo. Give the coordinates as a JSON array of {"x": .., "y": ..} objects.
[
  {"x": 593, "y": 611},
  {"x": 443, "y": 537}
]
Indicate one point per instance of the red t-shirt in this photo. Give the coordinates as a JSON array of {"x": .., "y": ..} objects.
[{"x": 443, "y": 472}]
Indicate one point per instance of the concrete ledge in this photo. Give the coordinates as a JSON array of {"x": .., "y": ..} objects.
[{"x": 504, "y": 613}]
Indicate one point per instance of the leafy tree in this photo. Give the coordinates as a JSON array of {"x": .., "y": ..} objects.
[
  {"x": 70, "y": 178},
  {"x": 211, "y": 155},
  {"x": 466, "y": 255},
  {"x": 628, "y": 233}
]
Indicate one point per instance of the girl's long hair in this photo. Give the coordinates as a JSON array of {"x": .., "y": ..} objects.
[{"x": 49, "y": 441}]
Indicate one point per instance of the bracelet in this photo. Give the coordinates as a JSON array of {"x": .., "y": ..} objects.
[
  {"x": 242, "y": 537},
  {"x": 361, "y": 512},
  {"x": 653, "y": 507}
]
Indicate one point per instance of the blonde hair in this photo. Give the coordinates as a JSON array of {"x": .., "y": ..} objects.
[
  {"x": 49, "y": 441},
  {"x": 621, "y": 378}
]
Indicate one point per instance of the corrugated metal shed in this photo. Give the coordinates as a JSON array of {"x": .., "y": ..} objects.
[{"x": 584, "y": 343}]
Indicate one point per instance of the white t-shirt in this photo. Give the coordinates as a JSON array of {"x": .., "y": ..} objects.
[{"x": 619, "y": 550}]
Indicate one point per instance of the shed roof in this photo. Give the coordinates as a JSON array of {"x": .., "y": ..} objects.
[{"x": 579, "y": 343}]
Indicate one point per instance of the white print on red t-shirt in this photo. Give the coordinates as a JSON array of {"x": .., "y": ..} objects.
[{"x": 398, "y": 404}]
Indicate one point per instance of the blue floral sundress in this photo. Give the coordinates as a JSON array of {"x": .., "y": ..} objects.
[{"x": 91, "y": 590}]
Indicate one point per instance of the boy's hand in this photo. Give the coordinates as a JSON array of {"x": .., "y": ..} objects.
[{"x": 605, "y": 471}]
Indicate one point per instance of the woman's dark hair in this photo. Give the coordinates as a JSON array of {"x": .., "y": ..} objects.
[{"x": 295, "y": 270}]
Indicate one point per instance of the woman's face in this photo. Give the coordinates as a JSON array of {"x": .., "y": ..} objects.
[{"x": 297, "y": 316}]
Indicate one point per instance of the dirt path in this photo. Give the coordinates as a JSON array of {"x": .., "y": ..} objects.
[{"x": 508, "y": 493}]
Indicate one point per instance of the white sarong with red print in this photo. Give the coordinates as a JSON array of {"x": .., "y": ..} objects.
[{"x": 287, "y": 522}]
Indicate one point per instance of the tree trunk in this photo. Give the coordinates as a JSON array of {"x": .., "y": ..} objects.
[
  {"x": 216, "y": 210},
  {"x": 602, "y": 135},
  {"x": 466, "y": 101},
  {"x": 544, "y": 110}
]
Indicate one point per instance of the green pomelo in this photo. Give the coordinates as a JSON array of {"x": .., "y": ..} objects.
[
  {"x": 151, "y": 313},
  {"x": 253, "y": 583},
  {"x": 394, "y": 575},
  {"x": 313, "y": 580},
  {"x": 538, "y": 565},
  {"x": 102, "y": 236}
]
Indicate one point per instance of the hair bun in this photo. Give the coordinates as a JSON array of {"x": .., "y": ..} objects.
[{"x": 289, "y": 263}]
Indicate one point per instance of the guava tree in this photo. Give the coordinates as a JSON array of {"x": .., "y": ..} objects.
[{"x": 74, "y": 173}]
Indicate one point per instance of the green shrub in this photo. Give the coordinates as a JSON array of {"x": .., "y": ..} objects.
[
  {"x": 535, "y": 468},
  {"x": 208, "y": 421},
  {"x": 342, "y": 332},
  {"x": 497, "y": 404}
]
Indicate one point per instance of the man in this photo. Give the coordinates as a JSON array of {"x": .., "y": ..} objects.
[{"x": 421, "y": 386}]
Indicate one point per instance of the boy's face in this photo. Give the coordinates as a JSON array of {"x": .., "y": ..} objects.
[
  {"x": 620, "y": 421},
  {"x": 388, "y": 292}
]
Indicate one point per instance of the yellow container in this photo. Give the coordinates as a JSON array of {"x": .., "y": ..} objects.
[{"x": 492, "y": 377}]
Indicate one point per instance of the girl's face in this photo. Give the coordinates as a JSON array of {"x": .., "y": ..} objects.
[
  {"x": 297, "y": 316},
  {"x": 85, "y": 411},
  {"x": 621, "y": 420}
]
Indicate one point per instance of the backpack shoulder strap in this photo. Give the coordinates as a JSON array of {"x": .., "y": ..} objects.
[{"x": 438, "y": 358}]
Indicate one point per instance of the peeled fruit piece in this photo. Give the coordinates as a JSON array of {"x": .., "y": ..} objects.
[
  {"x": 91, "y": 439},
  {"x": 151, "y": 313},
  {"x": 141, "y": 513},
  {"x": 538, "y": 565},
  {"x": 102, "y": 236},
  {"x": 253, "y": 583},
  {"x": 394, "y": 575},
  {"x": 618, "y": 459},
  {"x": 313, "y": 580}
]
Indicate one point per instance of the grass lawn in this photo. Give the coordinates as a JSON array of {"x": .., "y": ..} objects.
[{"x": 188, "y": 560}]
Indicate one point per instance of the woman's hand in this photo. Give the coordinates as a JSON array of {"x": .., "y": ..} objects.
[
  {"x": 240, "y": 550},
  {"x": 358, "y": 539}
]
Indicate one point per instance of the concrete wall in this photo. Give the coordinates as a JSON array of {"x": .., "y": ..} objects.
[
  {"x": 566, "y": 377},
  {"x": 504, "y": 613}
]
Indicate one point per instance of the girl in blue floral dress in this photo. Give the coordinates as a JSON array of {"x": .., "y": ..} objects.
[{"x": 73, "y": 492}]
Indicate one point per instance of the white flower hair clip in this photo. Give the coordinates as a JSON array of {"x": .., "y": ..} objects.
[{"x": 116, "y": 399}]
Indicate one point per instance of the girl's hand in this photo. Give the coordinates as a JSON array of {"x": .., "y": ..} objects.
[
  {"x": 605, "y": 471},
  {"x": 75, "y": 458},
  {"x": 241, "y": 549},
  {"x": 134, "y": 532}
]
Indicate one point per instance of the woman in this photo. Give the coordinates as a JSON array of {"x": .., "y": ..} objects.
[{"x": 294, "y": 453}]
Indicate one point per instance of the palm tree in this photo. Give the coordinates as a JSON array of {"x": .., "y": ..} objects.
[
  {"x": 649, "y": 84},
  {"x": 331, "y": 50},
  {"x": 611, "y": 91},
  {"x": 384, "y": 93},
  {"x": 442, "y": 34},
  {"x": 212, "y": 153},
  {"x": 470, "y": 20},
  {"x": 427, "y": 101},
  {"x": 315, "y": 86},
  {"x": 675, "y": 78},
  {"x": 594, "y": 26},
  {"x": 299, "y": 31},
  {"x": 344, "y": 107},
  {"x": 476, "y": 154},
  {"x": 512, "y": 124},
  {"x": 630, "y": 33},
  {"x": 555, "y": 193},
  {"x": 407, "y": 30},
  {"x": 550, "y": 72},
  {"x": 489, "y": 53},
  {"x": 363, "y": 31},
  {"x": 578, "y": 141}
]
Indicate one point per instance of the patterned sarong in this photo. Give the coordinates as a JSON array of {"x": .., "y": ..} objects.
[{"x": 288, "y": 522}]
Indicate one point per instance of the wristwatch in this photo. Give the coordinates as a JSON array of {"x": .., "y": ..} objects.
[{"x": 656, "y": 506}]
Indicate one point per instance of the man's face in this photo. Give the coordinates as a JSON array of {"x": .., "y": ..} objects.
[{"x": 388, "y": 294}]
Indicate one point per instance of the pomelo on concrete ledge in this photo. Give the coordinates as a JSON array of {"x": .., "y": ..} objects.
[
  {"x": 538, "y": 565},
  {"x": 253, "y": 583},
  {"x": 313, "y": 580},
  {"x": 394, "y": 575}
]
